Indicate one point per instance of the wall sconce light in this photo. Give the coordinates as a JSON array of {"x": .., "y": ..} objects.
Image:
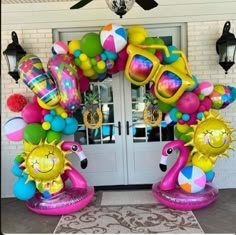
[
  {"x": 13, "y": 54},
  {"x": 225, "y": 47},
  {"x": 120, "y": 7}
]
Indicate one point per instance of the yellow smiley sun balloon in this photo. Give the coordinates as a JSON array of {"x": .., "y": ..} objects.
[
  {"x": 45, "y": 163},
  {"x": 211, "y": 137}
]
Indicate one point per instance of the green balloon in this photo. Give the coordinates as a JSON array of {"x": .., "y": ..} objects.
[
  {"x": 159, "y": 41},
  {"x": 90, "y": 44},
  {"x": 53, "y": 135},
  {"x": 165, "y": 108},
  {"x": 185, "y": 138},
  {"x": 149, "y": 41},
  {"x": 34, "y": 133},
  {"x": 178, "y": 134}
]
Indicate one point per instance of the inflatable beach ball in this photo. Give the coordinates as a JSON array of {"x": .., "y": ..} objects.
[
  {"x": 192, "y": 179},
  {"x": 14, "y": 128},
  {"x": 113, "y": 38}
]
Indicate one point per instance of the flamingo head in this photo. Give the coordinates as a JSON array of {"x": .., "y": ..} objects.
[
  {"x": 77, "y": 149},
  {"x": 168, "y": 149}
]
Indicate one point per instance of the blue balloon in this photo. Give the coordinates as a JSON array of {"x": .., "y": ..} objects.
[
  {"x": 16, "y": 169},
  {"x": 71, "y": 126},
  {"x": 111, "y": 55},
  {"x": 173, "y": 112},
  {"x": 22, "y": 190},
  {"x": 209, "y": 175},
  {"x": 173, "y": 57}
]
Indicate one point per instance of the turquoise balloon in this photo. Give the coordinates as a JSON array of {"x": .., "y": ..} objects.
[
  {"x": 22, "y": 190},
  {"x": 90, "y": 44},
  {"x": 173, "y": 57},
  {"x": 16, "y": 170},
  {"x": 34, "y": 133}
]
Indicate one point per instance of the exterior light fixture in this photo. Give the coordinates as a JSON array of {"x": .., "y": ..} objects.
[
  {"x": 120, "y": 7},
  {"x": 13, "y": 54},
  {"x": 226, "y": 47}
]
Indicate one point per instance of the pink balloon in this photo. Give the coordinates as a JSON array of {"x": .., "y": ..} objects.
[
  {"x": 113, "y": 70},
  {"x": 207, "y": 103},
  {"x": 193, "y": 119},
  {"x": 123, "y": 54},
  {"x": 188, "y": 103},
  {"x": 32, "y": 113},
  {"x": 159, "y": 55},
  {"x": 120, "y": 65},
  {"x": 83, "y": 84}
]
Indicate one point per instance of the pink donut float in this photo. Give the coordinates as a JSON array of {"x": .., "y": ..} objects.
[
  {"x": 68, "y": 201},
  {"x": 179, "y": 199}
]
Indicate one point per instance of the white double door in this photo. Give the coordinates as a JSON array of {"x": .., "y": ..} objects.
[
  {"x": 124, "y": 151},
  {"x": 131, "y": 154}
]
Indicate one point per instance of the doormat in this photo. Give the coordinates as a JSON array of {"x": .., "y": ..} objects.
[
  {"x": 125, "y": 197},
  {"x": 142, "y": 218}
]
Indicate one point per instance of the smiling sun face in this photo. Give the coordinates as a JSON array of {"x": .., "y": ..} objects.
[
  {"x": 211, "y": 137},
  {"x": 45, "y": 164}
]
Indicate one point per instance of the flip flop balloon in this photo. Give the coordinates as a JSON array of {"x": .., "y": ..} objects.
[
  {"x": 64, "y": 72},
  {"x": 32, "y": 73}
]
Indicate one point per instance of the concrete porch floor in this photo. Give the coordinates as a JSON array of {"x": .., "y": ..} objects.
[{"x": 218, "y": 217}]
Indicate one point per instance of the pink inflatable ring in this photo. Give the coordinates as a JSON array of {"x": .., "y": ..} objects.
[
  {"x": 68, "y": 201},
  {"x": 178, "y": 199}
]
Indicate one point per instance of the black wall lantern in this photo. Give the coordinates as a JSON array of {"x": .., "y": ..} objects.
[
  {"x": 225, "y": 47},
  {"x": 13, "y": 54}
]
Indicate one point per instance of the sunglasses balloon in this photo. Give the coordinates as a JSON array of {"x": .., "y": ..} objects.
[{"x": 169, "y": 81}]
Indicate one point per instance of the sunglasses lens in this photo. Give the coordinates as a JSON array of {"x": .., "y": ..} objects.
[
  {"x": 140, "y": 68},
  {"x": 168, "y": 84}
]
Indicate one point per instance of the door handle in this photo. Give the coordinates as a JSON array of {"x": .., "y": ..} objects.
[
  {"x": 119, "y": 128},
  {"x": 127, "y": 127}
]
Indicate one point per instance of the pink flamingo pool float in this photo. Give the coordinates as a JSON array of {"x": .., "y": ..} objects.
[
  {"x": 169, "y": 193},
  {"x": 70, "y": 199}
]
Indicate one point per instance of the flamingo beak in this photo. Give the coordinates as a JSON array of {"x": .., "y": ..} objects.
[{"x": 163, "y": 163}]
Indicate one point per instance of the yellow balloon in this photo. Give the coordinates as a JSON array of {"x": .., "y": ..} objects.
[
  {"x": 137, "y": 29},
  {"x": 61, "y": 112},
  {"x": 183, "y": 128},
  {"x": 89, "y": 73},
  {"x": 45, "y": 106},
  {"x": 85, "y": 65},
  {"x": 83, "y": 57},
  {"x": 73, "y": 46},
  {"x": 203, "y": 163},
  {"x": 136, "y": 38},
  {"x": 46, "y": 126},
  {"x": 101, "y": 64}
]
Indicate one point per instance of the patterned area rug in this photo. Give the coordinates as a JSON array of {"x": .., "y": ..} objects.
[{"x": 142, "y": 218}]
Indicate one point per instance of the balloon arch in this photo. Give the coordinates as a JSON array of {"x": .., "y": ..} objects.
[{"x": 202, "y": 135}]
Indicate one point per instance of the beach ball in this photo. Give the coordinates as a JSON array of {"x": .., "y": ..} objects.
[
  {"x": 14, "y": 128},
  {"x": 206, "y": 88},
  {"x": 113, "y": 38},
  {"x": 220, "y": 96},
  {"x": 59, "y": 48},
  {"x": 192, "y": 179}
]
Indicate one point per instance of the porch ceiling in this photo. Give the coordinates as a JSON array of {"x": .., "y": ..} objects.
[{"x": 31, "y": 1}]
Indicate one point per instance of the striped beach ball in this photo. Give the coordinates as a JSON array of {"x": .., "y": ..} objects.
[
  {"x": 113, "y": 38},
  {"x": 192, "y": 179},
  {"x": 14, "y": 128}
]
